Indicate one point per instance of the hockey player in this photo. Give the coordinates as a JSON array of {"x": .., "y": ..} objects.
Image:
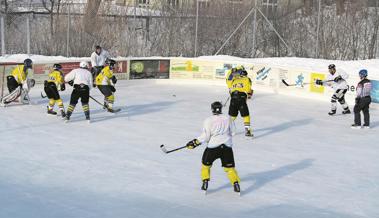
[
  {"x": 81, "y": 79},
  {"x": 240, "y": 90},
  {"x": 336, "y": 80},
  {"x": 362, "y": 101},
  {"x": 217, "y": 135},
  {"x": 51, "y": 85},
  {"x": 105, "y": 82},
  {"x": 98, "y": 58},
  {"x": 18, "y": 84}
]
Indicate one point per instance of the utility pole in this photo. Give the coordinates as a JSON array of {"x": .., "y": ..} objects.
[
  {"x": 197, "y": 24},
  {"x": 68, "y": 30},
  {"x": 2, "y": 36},
  {"x": 254, "y": 28},
  {"x": 318, "y": 28}
]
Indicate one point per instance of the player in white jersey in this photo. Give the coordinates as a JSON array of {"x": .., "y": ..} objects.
[
  {"x": 98, "y": 58},
  {"x": 337, "y": 81},
  {"x": 81, "y": 79},
  {"x": 217, "y": 134}
]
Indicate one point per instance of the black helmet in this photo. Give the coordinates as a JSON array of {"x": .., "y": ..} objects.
[
  {"x": 28, "y": 63},
  {"x": 216, "y": 107},
  {"x": 57, "y": 67},
  {"x": 243, "y": 73},
  {"x": 331, "y": 66},
  {"x": 97, "y": 47},
  {"x": 110, "y": 62}
]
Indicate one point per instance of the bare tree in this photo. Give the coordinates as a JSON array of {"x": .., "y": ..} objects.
[{"x": 89, "y": 18}]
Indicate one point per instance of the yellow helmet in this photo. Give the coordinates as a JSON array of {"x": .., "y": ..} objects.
[{"x": 239, "y": 67}]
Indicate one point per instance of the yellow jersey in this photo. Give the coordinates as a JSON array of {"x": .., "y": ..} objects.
[
  {"x": 19, "y": 74},
  {"x": 241, "y": 84},
  {"x": 104, "y": 77},
  {"x": 56, "y": 77}
]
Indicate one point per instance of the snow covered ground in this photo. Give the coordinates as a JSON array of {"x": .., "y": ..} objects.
[{"x": 302, "y": 162}]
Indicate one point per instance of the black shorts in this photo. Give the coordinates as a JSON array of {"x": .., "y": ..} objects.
[
  {"x": 80, "y": 91},
  {"x": 223, "y": 152},
  {"x": 12, "y": 83},
  {"x": 51, "y": 91},
  {"x": 95, "y": 71},
  {"x": 238, "y": 104},
  {"x": 105, "y": 90}
]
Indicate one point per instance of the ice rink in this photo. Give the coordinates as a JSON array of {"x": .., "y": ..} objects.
[{"x": 301, "y": 162}]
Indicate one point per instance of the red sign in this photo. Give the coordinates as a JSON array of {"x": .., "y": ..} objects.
[{"x": 68, "y": 66}]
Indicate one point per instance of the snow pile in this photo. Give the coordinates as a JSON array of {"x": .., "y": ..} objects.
[{"x": 318, "y": 65}]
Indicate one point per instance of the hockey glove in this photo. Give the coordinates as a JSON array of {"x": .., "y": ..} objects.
[
  {"x": 193, "y": 144},
  {"x": 338, "y": 78},
  {"x": 113, "y": 89},
  {"x": 63, "y": 87},
  {"x": 250, "y": 94},
  {"x": 319, "y": 82},
  {"x": 357, "y": 100},
  {"x": 114, "y": 79},
  {"x": 71, "y": 83}
]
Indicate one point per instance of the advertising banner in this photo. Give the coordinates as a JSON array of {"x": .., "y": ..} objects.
[
  {"x": 316, "y": 88},
  {"x": 193, "y": 69},
  {"x": 149, "y": 69},
  {"x": 375, "y": 91}
]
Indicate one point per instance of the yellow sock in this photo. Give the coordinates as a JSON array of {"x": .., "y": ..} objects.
[
  {"x": 70, "y": 108},
  {"x": 232, "y": 174},
  {"x": 246, "y": 121},
  {"x": 85, "y": 107},
  {"x": 205, "y": 172},
  {"x": 110, "y": 99},
  {"x": 51, "y": 103},
  {"x": 60, "y": 104}
]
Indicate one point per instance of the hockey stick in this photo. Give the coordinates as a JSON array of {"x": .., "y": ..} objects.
[
  {"x": 285, "y": 83},
  {"x": 43, "y": 96},
  {"x": 169, "y": 151},
  {"x": 106, "y": 106},
  {"x": 98, "y": 102},
  {"x": 226, "y": 101}
]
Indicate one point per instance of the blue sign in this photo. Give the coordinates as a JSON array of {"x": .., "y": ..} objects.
[
  {"x": 263, "y": 73},
  {"x": 375, "y": 91},
  {"x": 300, "y": 80}
]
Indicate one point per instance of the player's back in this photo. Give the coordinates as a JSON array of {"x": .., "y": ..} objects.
[
  {"x": 241, "y": 84},
  {"x": 219, "y": 127}
]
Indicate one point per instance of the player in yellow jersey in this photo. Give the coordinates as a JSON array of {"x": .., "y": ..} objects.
[
  {"x": 18, "y": 83},
  {"x": 105, "y": 82},
  {"x": 240, "y": 91},
  {"x": 55, "y": 80}
]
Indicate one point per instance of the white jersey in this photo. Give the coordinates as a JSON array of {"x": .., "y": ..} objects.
[
  {"x": 99, "y": 59},
  {"x": 342, "y": 84},
  {"x": 80, "y": 76},
  {"x": 217, "y": 130}
]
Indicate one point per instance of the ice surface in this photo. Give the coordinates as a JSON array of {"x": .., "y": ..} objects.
[{"x": 302, "y": 162}]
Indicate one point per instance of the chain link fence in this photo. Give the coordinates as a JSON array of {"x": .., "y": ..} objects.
[{"x": 341, "y": 29}]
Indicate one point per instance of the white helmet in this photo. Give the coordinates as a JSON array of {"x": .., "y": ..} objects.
[{"x": 83, "y": 64}]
